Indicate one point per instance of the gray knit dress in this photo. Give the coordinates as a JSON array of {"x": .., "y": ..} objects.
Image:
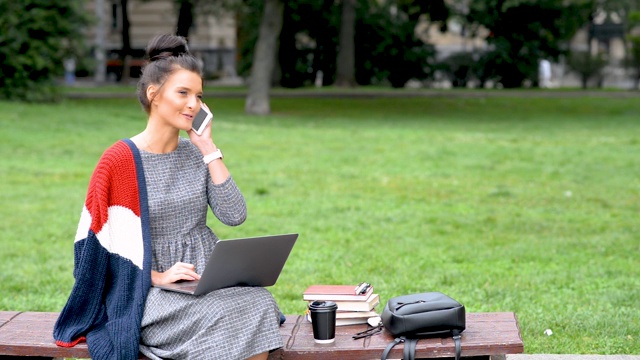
[{"x": 232, "y": 323}]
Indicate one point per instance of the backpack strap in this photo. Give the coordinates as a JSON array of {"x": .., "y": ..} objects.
[
  {"x": 390, "y": 346},
  {"x": 457, "y": 340},
  {"x": 410, "y": 349}
]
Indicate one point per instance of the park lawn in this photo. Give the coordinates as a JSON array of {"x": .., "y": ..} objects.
[{"x": 515, "y": 204}]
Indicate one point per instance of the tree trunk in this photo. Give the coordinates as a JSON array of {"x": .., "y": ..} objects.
[
  {"x": 284, "y": 72},
  {"x": 345, "y": 66},
  {"x": 264, "y": 57},
  {"x": 323, "y": 57},
  {"x": 185, "y": 18},
  {"x": 125, "y": 54},
  {"x": 101, "y": 59}
]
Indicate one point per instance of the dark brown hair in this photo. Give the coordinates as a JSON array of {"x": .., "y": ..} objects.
[{"x": 166, "y": 54}]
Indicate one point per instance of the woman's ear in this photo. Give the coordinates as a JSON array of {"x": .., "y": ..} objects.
[{"x": 152, "y": 91}]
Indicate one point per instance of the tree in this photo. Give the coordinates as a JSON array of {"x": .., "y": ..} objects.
[
  {"x": 629, "y": 10},
  {"x": 586, "y": 65},
  {"x": 623, "y": 9},
  {"x": 36, "y": 36},
  {"x": 185, "y": 18},
  {"x": 125, "y": 52},
  {"x": 523, "y": 32},
  {"x": 633, "y": 59},
  {"x": 345, "y": 64},
  {"x": 307, "y": 43},
  {"x": 325, "y": 52},
  {"x": 389, "y": 46},
  {"x": 295, "y": 53},
  {"x": 386, "y": 45},
  {"x": 264, "y": 57}
]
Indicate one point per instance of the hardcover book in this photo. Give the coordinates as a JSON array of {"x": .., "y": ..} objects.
[
  {"x": 335, "y": 293},
  {"x": 355, "y": 314},
  {"x": 367, "y": 305},
  {"x": 344, "y": 318}
]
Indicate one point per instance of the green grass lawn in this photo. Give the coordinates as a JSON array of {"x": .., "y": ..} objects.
[{"x": 517, "y": 204}]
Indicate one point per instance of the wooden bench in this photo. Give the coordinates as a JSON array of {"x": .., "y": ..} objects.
[{"x": 488, "y": 335}]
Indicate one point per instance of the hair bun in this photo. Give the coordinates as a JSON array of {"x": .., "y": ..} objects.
[{"x": 164, "y": 46}]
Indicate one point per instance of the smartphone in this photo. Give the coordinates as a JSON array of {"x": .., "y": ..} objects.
[{"x": 200, "y": 121}]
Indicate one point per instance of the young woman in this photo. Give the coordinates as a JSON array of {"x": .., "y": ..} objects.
[{"x": 144, "y": 223}]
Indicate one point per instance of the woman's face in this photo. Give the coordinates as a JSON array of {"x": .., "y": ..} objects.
[{"x": 177, "y": 101}]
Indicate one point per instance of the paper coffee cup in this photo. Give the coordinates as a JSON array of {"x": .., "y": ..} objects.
[{"x": 323, "y": 321}]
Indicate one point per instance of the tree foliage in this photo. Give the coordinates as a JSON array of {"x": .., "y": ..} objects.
[
  {"x": 387, "y": 47},
  {"x": 308, "y": 42},
  {"x": 36, "y": 36},
  {"x": 521, "y": 32}
]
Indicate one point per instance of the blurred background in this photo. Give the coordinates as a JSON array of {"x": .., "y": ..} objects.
[{"x": 394, "y": 43}]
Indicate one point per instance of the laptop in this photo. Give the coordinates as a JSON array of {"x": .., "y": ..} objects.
[{"x": 255, "y": 261}]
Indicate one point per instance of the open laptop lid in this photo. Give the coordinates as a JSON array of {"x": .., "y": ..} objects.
[{"x": 256, "y": 261}]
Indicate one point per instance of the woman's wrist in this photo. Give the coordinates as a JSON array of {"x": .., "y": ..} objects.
[
  {"x": 208, "y": 149},
  {"x": 155, "y": 277}
]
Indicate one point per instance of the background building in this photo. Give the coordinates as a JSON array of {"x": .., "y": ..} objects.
[{"x": 211, "y": 38}]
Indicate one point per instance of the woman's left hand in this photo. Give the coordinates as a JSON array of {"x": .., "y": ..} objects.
[
  {"x": 204, "y": 141},
  {"x": 179, "y": 271}
]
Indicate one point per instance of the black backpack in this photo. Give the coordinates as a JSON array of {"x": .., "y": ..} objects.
[{"x": 424, "y": 315}]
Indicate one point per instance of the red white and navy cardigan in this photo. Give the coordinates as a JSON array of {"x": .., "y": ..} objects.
[{"x": 112, "y": 260}]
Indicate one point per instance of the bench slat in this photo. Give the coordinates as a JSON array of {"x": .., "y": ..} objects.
[
  {"x": 487, "y": 334},
  {"x": 5, "y": 316},
  {"x": 30, "y": 334}
]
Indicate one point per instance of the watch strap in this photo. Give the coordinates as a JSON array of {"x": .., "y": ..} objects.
[{"x": 213, "y": 156}]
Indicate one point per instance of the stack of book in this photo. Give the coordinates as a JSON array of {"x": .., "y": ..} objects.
[{"x": 355, "y": 304}]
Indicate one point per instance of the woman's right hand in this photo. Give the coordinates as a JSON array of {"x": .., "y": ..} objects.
[{"x": 179, "y": 271}]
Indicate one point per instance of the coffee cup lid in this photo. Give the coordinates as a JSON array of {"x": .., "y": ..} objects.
[{"x": 323, "y": 305}]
